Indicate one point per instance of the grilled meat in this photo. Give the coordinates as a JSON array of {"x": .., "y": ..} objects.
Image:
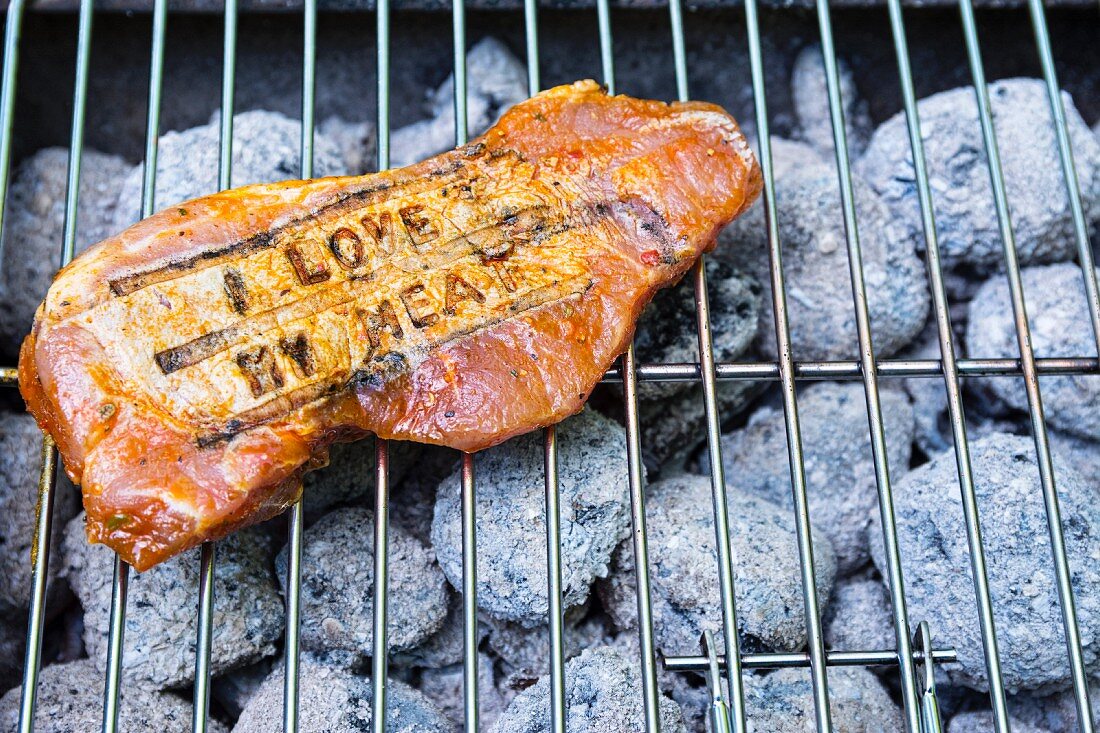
[{"x": 191, "y": 368}]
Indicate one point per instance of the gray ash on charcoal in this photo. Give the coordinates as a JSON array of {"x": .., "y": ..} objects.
[
  {"x": 444, "y": 687},
  {"x": 34, "y": 224},
  {"x": 782, "y": 702},
  {"x": 236, "y": 687},
  {"x": 266, "y": 149},
  {"x": 412, "y": 503},
  {"x": 497, "y": 81},
  {"x": 161, "y": 620},
  {"x": 683, "y": 570},
  {"x": 525, "y": 652},
  {"x": 70, "y": 699},
  {"x": 13, "y": 636},
  {"x": 840, "y": 473},
  {"x": 966, "y": 219},
  {"x": 668, "y": 329},
  {"x": 602, "y": 691},
  {"x": 815, "y": 263},
  {"x": 674, "y": 428},
  {"x": 334, "y": 700},
  {"x": 936, "y": 562},
  {"x": 511, "y": 506},
  {"x": 1055, "y": 713},
  {"x": 446, "y": 646},
  {"x": 858, "y": 616},
  {"x": 1060, "y": 326},
  {"x": 981, "y": 721},
  {"x": 337, "y": 595},
  {"x": 20, "y": 462},
  {"x": 810, "y": 96},
  {"x": 351, "y": 474}
]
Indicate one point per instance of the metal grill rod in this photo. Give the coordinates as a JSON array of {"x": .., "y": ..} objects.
[
  {"x": 13, "y": 26},
  {"x": 870, "y": 377},
  {"x": 201, "y": 705},
  {"x": 381, "y": 655},
  {"x": 47, "y": 479},
  {"x": 804, "y": 531},
  {"x": 380, "y": 658},
  {"x": 1069, "y": 170},
  {"x": 120, "y": 583},
  {"x": 1031, "y": 378},
  {"x": 783, "y": 660},
  {"x": 735, "y": 682},
  {"x": 838, "y": 370},
  {"x": 951, "y": 381},
  {"x": 41, "y": 554}
]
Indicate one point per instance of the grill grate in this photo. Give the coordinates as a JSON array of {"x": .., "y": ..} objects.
[{"x": 917, "y": 689}]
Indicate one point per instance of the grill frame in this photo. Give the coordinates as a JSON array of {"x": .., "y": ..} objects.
[{"x": 917, "y": 699}]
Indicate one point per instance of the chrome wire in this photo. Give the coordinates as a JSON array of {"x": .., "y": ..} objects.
[
  {"x": 380, "y": 658},
  {"x": 47, "y": 477},
  {"x": 469, "y": 596},
  {"x": 13, "y": 27},
  {"x": 40, "y": 557},
  {"x": 1031, "y": 378},
  {"x": 784, "y": 660},
  {"x": 955, "y": 407},
  {"x": 894, "y": 573},
  {"x": 635, "y": 470},
  {"x": 120, "y": 583},
  {"x": 296, "y": 516},
  {"x": 735, "y": 682},
  {"x": 804, "y": 532},
  {"x": 201, "y": 704},
  {"x": 1069, "y": 169}
]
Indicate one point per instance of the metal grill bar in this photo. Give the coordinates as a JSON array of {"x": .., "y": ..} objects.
[
  {"x": 42, "y": 532},
  {"x": 380, "y": 659},
  {"x": 951, "y": 381},
  {"x": 13, "y": 26},
  {"x": 1031, "y": 378},
  {"x": 635, "y": 469},
  {"x": 296, "y": 521},
  {"x": 381, "y": 656},
  {"x": 201, "y": 705},
  {"x": 120, "y": 585},
  {"x": 469, "y": 595},
  {"x": 1069, "y": 170},
  {"x": 782, "y": 660},
  {"x": 837, "y": 370},
  {"x": 815, "y": 636},
  {"x": 735, "y": 682},
  {"x": 870, "y": 378}
]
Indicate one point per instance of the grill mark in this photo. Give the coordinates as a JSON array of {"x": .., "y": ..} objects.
[
  {"x": 347, "y": 200},
  {"x": 203, "y": 347},
  {"x": 386, "y": 367}
]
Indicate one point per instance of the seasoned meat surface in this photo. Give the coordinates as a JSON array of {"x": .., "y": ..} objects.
[{"x": 191, "y": 368}]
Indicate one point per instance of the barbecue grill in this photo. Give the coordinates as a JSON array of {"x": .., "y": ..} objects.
[{"x": 917, "y": 650}]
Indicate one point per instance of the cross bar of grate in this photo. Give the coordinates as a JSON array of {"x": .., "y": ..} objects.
[{"x": 785, "y": 371}]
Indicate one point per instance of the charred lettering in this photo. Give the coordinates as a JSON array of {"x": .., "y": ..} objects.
[
  {"x": 382, "y": 230},
  {"x": 458, "y": 290},
  {"x": 421, "y": 228},
  {"x": 235, "y": 290},
  {"x": 500, "y": 268},
  {"x": 418, "y": 306},
  {"x": 377, "y": 322},
  {"x": 347, "y": 248},
  {"x": 260, "y": 370},
  {"x": 300, "y": 351},
  {"x": 309, "y": 272}
]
